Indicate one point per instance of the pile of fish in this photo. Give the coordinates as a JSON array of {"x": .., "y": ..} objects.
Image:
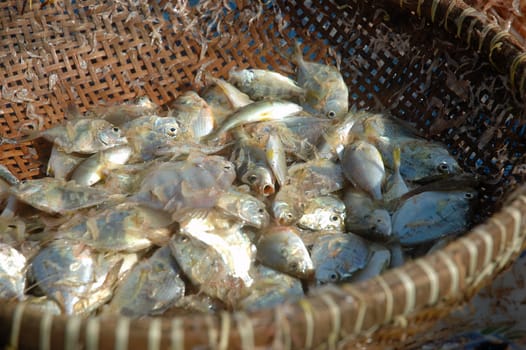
[{"x": 253, "y": 192}]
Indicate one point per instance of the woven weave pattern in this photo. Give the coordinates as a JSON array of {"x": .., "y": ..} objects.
[{"x": 438, "y": 64}]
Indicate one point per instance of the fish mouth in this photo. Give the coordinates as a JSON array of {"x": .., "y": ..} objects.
[{"x": 267, "y": 190}]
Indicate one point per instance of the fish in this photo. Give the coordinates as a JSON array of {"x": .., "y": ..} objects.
[
  {"x": 425, "y": 215},
  {"x": 336, "y": 136},
  {"x": 55, "y": 196},
  {"x": 255, "y": 112},
  {"x": 337, "y": 257},
  {"x": 264, "y": 84},
  {"x": 151, "y": 287},
  {"x": 365, "y": 216},
  {"x": 195, "y": 182},
  {"x": 252, "y": 167},
  {"x": 217, "y": 268},
  {"x": 228, "y": 94},
  {"x": 94, "y": 168},
  {"x": 73, "y": 275},
  {"x": 276, "y": 158},
  {"x": 12, "y": 273},
  {"x": 128, "y": 227},
  {"x": 244, "y": 207},
  {"x": 324, "y": 213},
  {"x": 325, "y": 90},
  {"x": 281, "y": 248},
  {"x": 85, "y": 136},
  {"x": 270, "y": 289},
  {"x": 363, "y": 165},
  {"x": 194, "y": 115},
  {"x": 288, "y": 204},
  {"x": 317, "y": 177}
]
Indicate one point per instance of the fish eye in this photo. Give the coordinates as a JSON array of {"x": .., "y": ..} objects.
[
  {"x": 335, "y": 218},
  {"x": 227, "y": 167},
  {"x": 293, "y": 265},
  {"x": 443, "y": 167},
  {"x": 333, "y": 277},
  {"x": 469, "y": 195},
  {"x": 261, "y": 211},
  {"x": 331, "y": 114},
  {"x": 115, "y": 129},
  {"x": 183, "y": 239},
  {"x": 289, "y": 216},
  {"x": 252, "y": 178}
]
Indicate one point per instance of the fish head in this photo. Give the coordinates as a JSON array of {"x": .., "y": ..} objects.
[
  {"x": 260, "y": 180},
  {"x": 254, "y": 213},
  {"x": 112, "y": 136},
  {"x": 335, "y": 108},
  {"x": 285, "y": 213},
  {"x": 168, "y": 127}
]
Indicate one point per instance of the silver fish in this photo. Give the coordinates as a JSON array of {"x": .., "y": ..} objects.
[
  {"x": 94, "y": 168},
  {"x": 326, "y": 91},
  {"x": 256, "y": 112},
  {"x": 151, "y": 287},
  {"x": 194, "y": 115},
  {"x": 261, "y": 83},
  {"x": 61, "y": 164},
  {"x": 366, "y": 217},
  {"x": 324, "y": 213},
  {"x": 74, "y": 276},
  {"x": 281, "y": 248},
  {"x": 244, "y": 207},
  {"x": 127, "y": 227},
  {"x": 336, "y": 257},
  {"x": 271, "y": 288},
  {"x": 429, "y": 215},
  {"x": 276, "y": 158},
  {"x": 363, "y": 165}
]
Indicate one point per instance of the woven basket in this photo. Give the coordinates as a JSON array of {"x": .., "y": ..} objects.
[{"x": 439, "y": 64}]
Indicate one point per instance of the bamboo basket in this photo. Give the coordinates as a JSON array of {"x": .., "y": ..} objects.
[{"x": 439, "y": 64}]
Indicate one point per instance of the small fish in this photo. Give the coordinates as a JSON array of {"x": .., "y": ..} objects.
[
  {"x": 195, "y": 182},
  {"x": 252, "y": 167},
  {"x": 85, "y": 136},
  {"x": 325, "y": 213},
  {"x": 271, "y": 288},
  {"x": 216, "y": 267},
  {"x": 288, "y": 205},
  {"x": 366, "y": 217},
  {"x": 256, "y": 112},
  {"x": 195, "y": 303},
  {"x": 12, "y": 273},
  {"x": 326, "y": 91},
  {"x": 94, "y": 168},
  {"x": 276, "y": 158},
  {"x": 126, "y": 227},
  {"x": 148, "y": 133},
  {"x": 281, "y": 248},
  {"x": 318, "y": 177},
  {"x": 244, "y": 207},
  {"x": 336, "y": 257},
  {"x": 336, "y": 136},
  {"x": 74, "y": 276},
  {"x": 56, "y": 196},
  {"x": 427, "y": 215},
  {"x": 260, "y": 84},
  {"x": 151, "y": 287},
  {"x": 363, "y": 165},
  {"x": 194, "y": 115}
]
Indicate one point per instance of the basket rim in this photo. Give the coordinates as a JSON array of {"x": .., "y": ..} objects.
[{"x": 351, "y": 310}]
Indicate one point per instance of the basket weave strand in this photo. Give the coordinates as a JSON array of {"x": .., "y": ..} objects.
[{"x": 94, "y": 52}]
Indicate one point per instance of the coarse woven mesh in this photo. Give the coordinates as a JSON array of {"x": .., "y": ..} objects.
[{"x": 438, "y": 64}]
